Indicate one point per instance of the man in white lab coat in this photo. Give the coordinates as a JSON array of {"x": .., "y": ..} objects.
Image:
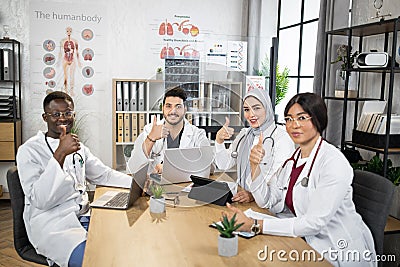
[
  {"x": 54, "y": 168},
  {"x": 174, "y": 131}
]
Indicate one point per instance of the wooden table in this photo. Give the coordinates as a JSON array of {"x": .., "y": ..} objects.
[{"x": 179, "y": 237}]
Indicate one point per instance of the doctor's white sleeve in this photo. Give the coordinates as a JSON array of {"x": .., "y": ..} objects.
[
  {"x": 99, "y": 174},
  {"x": 45, "y": 184},
  {"x": 138, "y": 157},
  {"x": 223, "y": 158},
  {"x": 282, "y": 150}
]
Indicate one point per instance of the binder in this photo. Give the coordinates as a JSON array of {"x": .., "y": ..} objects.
[
  {"x": 1, "y": 65},
  {"x": 134, "y": 127},
  {"x": 7, "y": 65},
  {"x": 125, "y": 91},
  {"x": 204, "y": 120},
  {"x": 127, "y": 127},
  {"x": 133, "y": 96},
  {"x": 141, "y": 97},
  {"x": 119, "y": 96},
  {"x": 141, "y": 122},
  {"x": 120, "y": 128}
]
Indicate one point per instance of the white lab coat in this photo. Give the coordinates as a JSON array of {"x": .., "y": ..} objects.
[
  {"x": 273, "y": 159},
  {"x": 52, "y": 199},
  {"x": 325, "y": 212},
  {"x": 191, "y": 137}
]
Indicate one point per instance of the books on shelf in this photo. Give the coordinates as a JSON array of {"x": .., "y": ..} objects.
[{"x": 376, "y": 123}]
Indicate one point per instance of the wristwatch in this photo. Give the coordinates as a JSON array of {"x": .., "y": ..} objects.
[{"x": 255, "y": 228}]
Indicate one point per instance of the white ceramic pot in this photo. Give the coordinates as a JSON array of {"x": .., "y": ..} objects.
[
  {"x": 157, "y": 205},
  {"x": 227, "y": 247}
]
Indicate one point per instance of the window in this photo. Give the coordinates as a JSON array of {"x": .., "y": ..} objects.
[{"x": 297, "y": 34}]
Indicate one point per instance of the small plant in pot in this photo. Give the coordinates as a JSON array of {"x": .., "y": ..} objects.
[
  {"x": 159, "y": 73},
  {"x": 157, "y": 201},
  {"x": 228, "y": 240}
]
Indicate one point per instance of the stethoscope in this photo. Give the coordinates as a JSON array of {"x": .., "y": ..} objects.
[
  {"x": 158, "y": 154},
  {"x": 235, "y": 153},
  {"x": 78, "y": 186},
  {"x": 304, "y": 181}
]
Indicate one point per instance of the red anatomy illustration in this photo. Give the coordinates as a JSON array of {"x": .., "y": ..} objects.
[
  {"x": 165, "y": 27},
  {"x": 167, "y": 51},
  {"x": 187, "y": 51},
  {"x": 185, "y": 27},
  {"x": 87, "y": 89},
  {"x": 69, "y": 48},
  {"x": 48, "y": 59}
]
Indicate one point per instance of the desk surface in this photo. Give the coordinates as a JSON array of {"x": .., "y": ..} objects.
[{"x": 179, "y": 237}]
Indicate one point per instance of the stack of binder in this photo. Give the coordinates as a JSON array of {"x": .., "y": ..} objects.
[{"x": 130, "y": 98}]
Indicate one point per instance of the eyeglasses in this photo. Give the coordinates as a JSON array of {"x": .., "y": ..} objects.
[
  {"x": 300, "y": 120},
  {"x": 57, "y": 114}
]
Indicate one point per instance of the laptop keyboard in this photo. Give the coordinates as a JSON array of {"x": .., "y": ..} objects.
[{"x": 119, "y": 200}]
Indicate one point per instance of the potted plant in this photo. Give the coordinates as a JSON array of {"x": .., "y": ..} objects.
[
  {"x": 228, "y": 240},
  {"x": 341, "y": 56},
  {"x": 159, "y": 73},
  {"x": 375, "y": 165},
  {"x": 157, "y": 201},
  {"x": 282, "y": 79}
]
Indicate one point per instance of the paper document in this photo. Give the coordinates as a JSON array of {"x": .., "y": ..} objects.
[
  {"x": 257, "y": 215},
  {"x": 187, "y": 188}
]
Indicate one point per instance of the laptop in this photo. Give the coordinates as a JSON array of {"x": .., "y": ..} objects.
[
  {"x": 180, "y": 163},
  {"x": 123, "y": 200}
]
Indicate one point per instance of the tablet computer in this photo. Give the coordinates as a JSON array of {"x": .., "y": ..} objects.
[{"x": 210, "y": 191}]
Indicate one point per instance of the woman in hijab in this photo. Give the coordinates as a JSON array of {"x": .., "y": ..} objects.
[{"x": 269, "y": 144}]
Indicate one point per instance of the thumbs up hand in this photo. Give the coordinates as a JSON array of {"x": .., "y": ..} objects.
[
  {"x": 69, "y": 143},
  {"x": 225, "y": 132},
  {"x": 158, "y": 131},
  {"x": 257, "y": 153}
]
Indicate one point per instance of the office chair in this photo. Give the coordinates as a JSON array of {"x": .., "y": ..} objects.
[
  {"x": 22, "y": 244},
  {"x": 372, "y": 196}
]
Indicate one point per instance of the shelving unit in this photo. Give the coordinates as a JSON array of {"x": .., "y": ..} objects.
[
  {"x": 208, "y": 107},
  {"x": 10, "y": 99},
  {"x": 387, "y": 31}
]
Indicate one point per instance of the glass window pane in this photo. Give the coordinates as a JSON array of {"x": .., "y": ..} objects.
[
  {"x": 290, "y": 12},
  {"x": 306, "y": 85},
  {"x": 279, "y": 109},
  {"x": 311, "y": 9},
  {"x": 288, "y": 55},
  {"x": 308, "y": 49}
]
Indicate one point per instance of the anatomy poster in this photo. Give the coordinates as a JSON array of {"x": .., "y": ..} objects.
[
  {"x": 177, "y": 36},
  {"x": 67, "y": 48}
]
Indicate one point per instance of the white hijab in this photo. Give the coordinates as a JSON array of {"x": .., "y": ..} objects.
[{"x": 243, "y": 169}]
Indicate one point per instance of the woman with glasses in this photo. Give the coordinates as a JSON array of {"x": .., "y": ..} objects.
[
  {"x": 253, "y": 157},
  {"x": 312, "y": 192}
]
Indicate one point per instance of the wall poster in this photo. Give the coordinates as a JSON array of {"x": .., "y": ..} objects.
[{"x": 68, "y": 47}]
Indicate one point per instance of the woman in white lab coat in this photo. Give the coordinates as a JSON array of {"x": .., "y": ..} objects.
[
  {"x": 278, "y": 146},
  {"x": 313, "y": 191}
]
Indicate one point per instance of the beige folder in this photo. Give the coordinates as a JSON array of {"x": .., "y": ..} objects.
[
  {"x": 120, "y": 127},
  {"x": 127, "y": 127}
]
